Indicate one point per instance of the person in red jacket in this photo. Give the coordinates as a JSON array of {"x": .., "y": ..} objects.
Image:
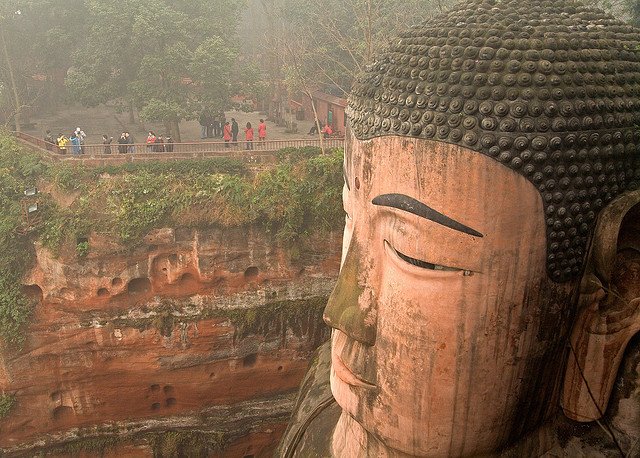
[
  {"x": 327, "y": 131},
  {"x": 248, "y": 136},
  {"x": 262, "y": 131},
  {"x": 226, "y": 134},
  {"x": 151, "y": 139}
]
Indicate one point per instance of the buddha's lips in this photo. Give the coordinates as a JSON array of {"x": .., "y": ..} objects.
[{"x": 345, "y": 374}]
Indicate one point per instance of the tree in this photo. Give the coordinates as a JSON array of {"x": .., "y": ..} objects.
[
  {"x": 330, "y": 42},
  {"x": 151, "y": 55},
  {"x": 35, "y": 39}
]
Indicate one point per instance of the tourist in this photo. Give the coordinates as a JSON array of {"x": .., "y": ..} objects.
[
  {"x": 248, "y": 136},
  {"x": 168, "y": 144},
  {"x": 226, "y": 134},
  {"x": 223, "y": 120},
  {"x": 262, "y": 131},
  {"x": 158, "y": 146},
  {"x": 234, "y": 130},
  {"x": 203, "y": 120},
  {"x": 75, "y": 144},
  {"x": 62, "y": 142},
  {"x": 122, "y": 143},
  {"x": 314, "y": 128},
  {"x": 327, "y": 131},
  {"x": 81, "y": 137},
  {"x": 131, "y": 142},
  {"x": 151, "y": 139},
  {"x": 106, "y": 141},
  {"x": 214, "y": 126}
]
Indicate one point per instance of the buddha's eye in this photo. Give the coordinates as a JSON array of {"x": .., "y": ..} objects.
[{"x": 420, "y": 263}]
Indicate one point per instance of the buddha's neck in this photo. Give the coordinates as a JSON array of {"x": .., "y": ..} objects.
[{"x": 350, "y": 439}]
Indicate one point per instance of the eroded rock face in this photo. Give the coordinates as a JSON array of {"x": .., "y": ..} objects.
[{"x": 157, "y": 337}]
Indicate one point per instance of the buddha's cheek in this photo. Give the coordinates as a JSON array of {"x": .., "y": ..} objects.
[{"x": 416, "y": 348}]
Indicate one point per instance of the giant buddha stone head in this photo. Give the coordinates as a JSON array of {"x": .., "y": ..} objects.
[{"x": 485, "y": 146}]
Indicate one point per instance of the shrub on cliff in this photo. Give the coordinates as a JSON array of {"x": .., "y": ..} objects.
[
  {"x": 299, "y": 197},
  {"x": 301, "y": 194},
  {"x": 18, "y": 171},
  {"x": 14, "y": 309}
]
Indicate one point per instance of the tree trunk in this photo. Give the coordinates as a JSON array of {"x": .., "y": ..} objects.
[
  {"x": 175, "y": 130},
  {"x": 132, "y": 118},
  {"x": 315, "y": 116},
  {"x": 14, "y": 88}
]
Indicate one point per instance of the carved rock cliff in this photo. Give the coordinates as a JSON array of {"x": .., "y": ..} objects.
[{"x": 201, "y": 331}]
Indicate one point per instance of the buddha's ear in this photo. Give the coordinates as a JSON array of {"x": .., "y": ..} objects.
[{"x": 608, "y": 310}]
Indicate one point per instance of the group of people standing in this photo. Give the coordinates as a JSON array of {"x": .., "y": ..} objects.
[
  {"x": 211, "y": 124},
  {"x": 158, "y": 143},
  {"x": 230, "y": 133},
  {"x": 125, "y": 143},
  {"x": 62, "y": 142}
]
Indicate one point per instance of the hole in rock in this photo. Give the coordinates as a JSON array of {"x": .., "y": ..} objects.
[
  {"x": 164, "y": 269},
  {"x": 170, "y": 402},
  {"x": 116, "y": 282},
  {"x": 62, "y": 412},
  {"x": 279, "y": 368},
  {"x": 139, "y": 285},
  {"x": 155, "y": 387},
  {"x": 187, "y": 278},
  {"x": 33, "y": 292},
  {"x": 103, "y": 292},
  {"x": 212, "y": 374},
  {"x": 248, "y": 456},
  {"x": 167, "y": 389},
  {"x": 155, "y": 406},
  {"x": 249, "y": 360},
  {"x": 251, "y": 272},
  {"x": 56, "y": 396}
]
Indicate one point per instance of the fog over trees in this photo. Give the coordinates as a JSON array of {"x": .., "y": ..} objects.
[{"x": 167, "y": 60}]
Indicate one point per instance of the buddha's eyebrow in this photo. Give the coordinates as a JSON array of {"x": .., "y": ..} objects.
[{"x": 411, "y": 205}]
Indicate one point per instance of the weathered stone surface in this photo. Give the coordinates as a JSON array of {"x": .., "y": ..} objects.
[
  {"x": 162, "y": 336},
  {"x": 547, "y": 88}
]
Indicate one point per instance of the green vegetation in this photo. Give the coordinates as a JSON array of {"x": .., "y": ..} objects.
[
  {"x": 7, "y": 401},
  {"x": 96, "y": 446},
  {"x": 167, "y": 444},
  {"x": 173, "y": 59},
  {"x": 173, "y": 444},
  {"x": 18, "y": 171},
  {"x": 301, "y": 316},
  {"x": 300, "y": 195}
]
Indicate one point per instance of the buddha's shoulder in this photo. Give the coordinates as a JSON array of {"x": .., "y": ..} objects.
[{"x": 315, "y": 413}]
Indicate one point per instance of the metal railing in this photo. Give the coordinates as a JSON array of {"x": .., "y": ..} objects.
[{"x": 175, "y": 150}]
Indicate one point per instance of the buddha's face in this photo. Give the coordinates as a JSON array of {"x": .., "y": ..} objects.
[{"x": 448, "y": 335}]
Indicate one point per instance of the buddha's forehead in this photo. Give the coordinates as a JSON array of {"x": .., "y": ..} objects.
[
  {"x": 548, "y": 89},
  {"x": 439, "y": 172}
]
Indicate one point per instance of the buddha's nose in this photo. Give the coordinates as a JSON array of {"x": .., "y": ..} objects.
[{"x": 351, "y": 307}]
